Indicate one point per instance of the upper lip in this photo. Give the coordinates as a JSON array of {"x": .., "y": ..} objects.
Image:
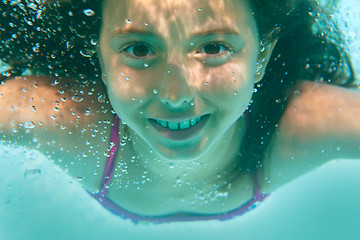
[{"x": 177, "y": 119}]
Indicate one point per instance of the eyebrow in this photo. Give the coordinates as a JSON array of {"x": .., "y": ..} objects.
[
  {"x": 128, "y": 31},
  {"x": 135, "y": 31},
  {"x": 218, "y": 31}
]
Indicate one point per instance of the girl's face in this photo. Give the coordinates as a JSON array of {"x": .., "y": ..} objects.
[{"x": 179, "y": 73}]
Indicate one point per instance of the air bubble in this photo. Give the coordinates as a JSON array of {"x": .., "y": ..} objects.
[
  {"x": 29, "y": 125},
  {"x": 32, "y": 172},
  {"x": 155, "y": 91},
  {"x": 101, "y": 98},
  {"x": 77, "y": 98},
  {"x": 146, "y": 65},
  {"x": 70, "y": 44},
  {"x": 89, "y": 12},
  {"x": 86, "y": 53},
  {"x": 56, "y": 82}
]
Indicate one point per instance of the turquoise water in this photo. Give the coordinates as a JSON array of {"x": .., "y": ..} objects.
[{"x": 39, "y": 201}]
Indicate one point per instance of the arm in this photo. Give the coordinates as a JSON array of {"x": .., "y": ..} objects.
[
  {"x": 39, "y": 113},
  {"x": 321, "y": 123},
  {"x": 326, "y": 116},
  {"x": 32, "y": 106}
]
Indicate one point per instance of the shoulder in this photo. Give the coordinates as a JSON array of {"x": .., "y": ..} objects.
[{"x": 320, "y": 124}]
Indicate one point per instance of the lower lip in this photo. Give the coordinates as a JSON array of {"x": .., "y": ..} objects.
[{"x": 179, "y": 134}]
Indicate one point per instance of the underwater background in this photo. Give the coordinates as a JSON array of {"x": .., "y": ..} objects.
[{"x": 39, "y": 201}]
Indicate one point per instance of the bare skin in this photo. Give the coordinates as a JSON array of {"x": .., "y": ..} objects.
[{"x": 70, "y": 123}]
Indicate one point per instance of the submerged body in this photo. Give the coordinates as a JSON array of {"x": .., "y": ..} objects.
[{"x": 186, "y": 66}]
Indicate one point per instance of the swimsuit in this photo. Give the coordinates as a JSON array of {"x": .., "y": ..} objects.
[{"x": 101, "y": 197}]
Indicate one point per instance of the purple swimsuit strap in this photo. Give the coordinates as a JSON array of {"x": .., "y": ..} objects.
[{"x": 109, "y": 168}]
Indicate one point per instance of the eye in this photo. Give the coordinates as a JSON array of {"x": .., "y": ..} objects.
[
  {"x": 214, "y": 53},
  {"x": 138, "y": 50},
  {"x": 214, "y": 49}
]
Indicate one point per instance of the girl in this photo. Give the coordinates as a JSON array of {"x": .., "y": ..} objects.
[{"x": 169, "y": 129}]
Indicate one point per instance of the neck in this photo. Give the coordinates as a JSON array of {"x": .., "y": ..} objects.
[{"x": 215, "y": 167}]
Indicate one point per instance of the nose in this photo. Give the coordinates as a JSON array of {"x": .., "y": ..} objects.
[{"x": 176, "y": 91}]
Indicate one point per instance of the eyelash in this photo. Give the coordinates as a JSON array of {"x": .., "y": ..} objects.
[
  {"x": 228, "y": 49},
  {"x": 224, "y": 48},
  {"x": 128, "y": 46}
]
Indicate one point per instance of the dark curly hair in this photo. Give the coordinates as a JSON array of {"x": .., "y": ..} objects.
[{"x": 58, "y": 38}]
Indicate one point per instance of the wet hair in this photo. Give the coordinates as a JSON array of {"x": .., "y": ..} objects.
[
  {"x": 309, "y": 47},
  {"x": 59, "y": 39}
]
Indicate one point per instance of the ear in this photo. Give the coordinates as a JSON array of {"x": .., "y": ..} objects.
[
  {"x": 263, "y": 59},
  {"x": 102, "y": 65}
]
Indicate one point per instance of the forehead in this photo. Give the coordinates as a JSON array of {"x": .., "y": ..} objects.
[{"x": 186, "y": 16}]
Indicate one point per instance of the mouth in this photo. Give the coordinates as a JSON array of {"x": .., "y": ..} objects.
[{"x": 180, "y": 130}]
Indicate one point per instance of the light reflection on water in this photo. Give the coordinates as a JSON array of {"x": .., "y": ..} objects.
[{"x": 39, "y": 201}]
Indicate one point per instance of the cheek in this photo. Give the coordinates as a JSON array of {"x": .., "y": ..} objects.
[
  {"x": 227, "y": 81},
  {"x": 128, "y": 83}
]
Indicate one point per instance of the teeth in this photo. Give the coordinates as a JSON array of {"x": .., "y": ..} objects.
[
  {"x": 173, "y": 125},
  {"x": 178, "y": 125},
  {"x": 185, "y": 125}
]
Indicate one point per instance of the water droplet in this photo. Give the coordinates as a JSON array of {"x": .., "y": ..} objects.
[
  {"x": 206, "y": 83},
  {"x": 36, "y": 49},
  {"x": 63, "y": 99},
  {"x": 53, "y": 117},
  {"x": 32, "y": 172},
  {"x": 70, "y": 44},
  {"x": 127, "y": 78},
  {"x": 86, "y": 53},
  {"x": 199, "y": 9},
  {"x": 236, "y": 93},
  {"x": 155, "y": 91},
  {"x": 29, "y": 125},
  {"x": 128, "y": 20},
  {"x": 33, "y": 108},
  {"x": 80, "y": 178},
  {"x": 101, "y": 98},
  {"x": 56, "y": 109},
  {"x": 56, "y": 82},
  {"x": 146, "y": 65},
  {"x": 12, "y": 108},
  {"x": 89, "y": 12},
  {"x": 77, "y": 98},
  {"x": 146, "y": 23},
  {"x": 255, "y": 90},
  {"x": 94, "y": 41},
  {"x": 87, "y": 111},
  {"x": 24, "y": 90}
]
